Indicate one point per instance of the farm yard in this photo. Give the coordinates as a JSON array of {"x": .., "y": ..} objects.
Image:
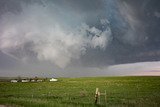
[{"x": 80, "y": 92}]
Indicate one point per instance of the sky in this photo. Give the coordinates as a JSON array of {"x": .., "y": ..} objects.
[{"x": 74, "y": 38}]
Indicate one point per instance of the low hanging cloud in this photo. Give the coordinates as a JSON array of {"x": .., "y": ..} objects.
[{"x": 38, "y": 32}]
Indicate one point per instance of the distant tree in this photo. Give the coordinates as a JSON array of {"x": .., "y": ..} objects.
[
  {"x": 45, "y": 79},
  {"x": 35, "y": 78},
  {"x": 19, "y": 79},
  {"x": 30, "y": 79}
]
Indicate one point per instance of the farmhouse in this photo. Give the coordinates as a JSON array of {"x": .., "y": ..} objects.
[
  {"x": 25, "y": 80},
  {"x": 14, "y": 80},
  {"x": 53, "y": 80},
  {"x": 33, "y": 80},
  {"x": 39, "y": 80}
]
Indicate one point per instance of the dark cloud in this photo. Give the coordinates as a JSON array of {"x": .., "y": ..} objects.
[{"x": 133, "y": 26}]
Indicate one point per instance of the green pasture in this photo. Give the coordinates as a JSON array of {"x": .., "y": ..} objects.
[{"x": 80, "y": 92}]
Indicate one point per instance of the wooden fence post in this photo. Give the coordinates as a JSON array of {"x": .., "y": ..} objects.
[
  {"x": 96, "y": 95},
  {"x": 105, "y": 97}
]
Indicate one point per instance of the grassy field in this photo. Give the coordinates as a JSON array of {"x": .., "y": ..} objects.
[{"x": 79, "y": 92}]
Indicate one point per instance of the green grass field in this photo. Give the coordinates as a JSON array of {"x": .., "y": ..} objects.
[{"x": 79, "y": 92}]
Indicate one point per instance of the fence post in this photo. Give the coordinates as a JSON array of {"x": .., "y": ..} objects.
[
  {"x": 96, "y": 95},
  {"x": 105, "y": 97}
]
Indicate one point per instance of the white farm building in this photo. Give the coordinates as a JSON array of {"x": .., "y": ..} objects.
[
  {"x": 53, "y": 80},
  {"x": 14, "y": 80}
]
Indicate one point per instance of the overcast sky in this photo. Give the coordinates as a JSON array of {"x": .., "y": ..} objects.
[{"x": 72, "y": 38}]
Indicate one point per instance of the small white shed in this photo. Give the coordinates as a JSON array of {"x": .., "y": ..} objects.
[
  {"x": 14, "y": 80},
  {"x": 25, "y": 80},
  {"x": 53, "y": 80},
  {"x": 39, "y": 80},
  {"x": 32, "y": 80}
]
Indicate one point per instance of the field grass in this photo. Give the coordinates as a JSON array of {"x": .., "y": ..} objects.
[{"x": 79, "y": 92}]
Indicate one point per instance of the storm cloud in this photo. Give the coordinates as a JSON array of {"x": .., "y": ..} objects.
[
  {"x": 77, "y": 34},
  {"x": 50, "y": 33}
]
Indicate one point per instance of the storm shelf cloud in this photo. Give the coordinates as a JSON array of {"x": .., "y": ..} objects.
[{"x": 76, "y": 35}]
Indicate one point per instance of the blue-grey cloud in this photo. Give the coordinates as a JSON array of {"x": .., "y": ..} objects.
[{"x": 51, "y": 33}]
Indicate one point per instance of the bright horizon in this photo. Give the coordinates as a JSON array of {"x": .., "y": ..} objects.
[{"x": 130, "y": 69}]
